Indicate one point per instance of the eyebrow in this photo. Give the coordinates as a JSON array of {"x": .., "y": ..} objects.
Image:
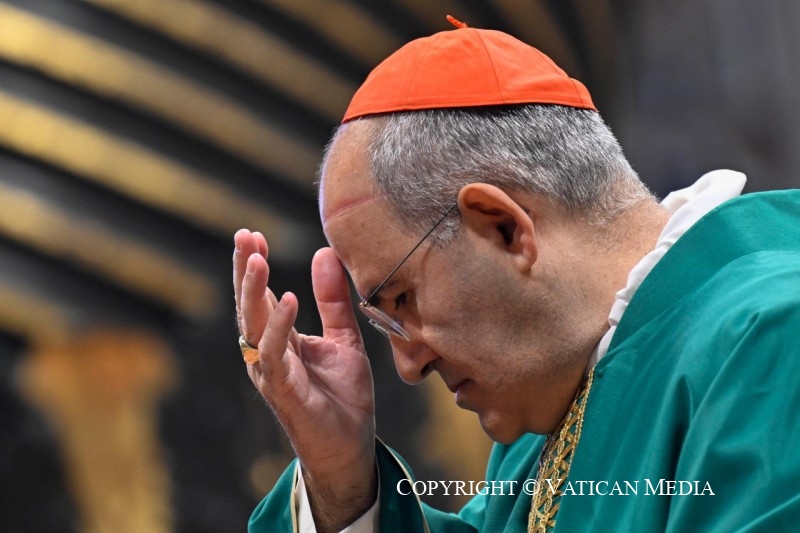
[{"x": 374, "y": 297}]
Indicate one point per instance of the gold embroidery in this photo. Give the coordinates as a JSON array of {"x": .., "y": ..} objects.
[{"x": 555, "y": 461}]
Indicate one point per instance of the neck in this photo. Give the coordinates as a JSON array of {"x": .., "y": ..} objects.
[{"x": 601, "y": 261}]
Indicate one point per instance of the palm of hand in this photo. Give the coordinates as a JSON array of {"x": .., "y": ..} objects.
[{"x": 327, "y": 390}]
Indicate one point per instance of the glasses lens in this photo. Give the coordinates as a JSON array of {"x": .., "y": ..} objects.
[
  {"x": 383, "y": 322},
  {"x": 379, "y": 328}
]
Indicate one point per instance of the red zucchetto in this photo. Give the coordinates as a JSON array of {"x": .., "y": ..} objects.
[{"x": 465, "y": 67}]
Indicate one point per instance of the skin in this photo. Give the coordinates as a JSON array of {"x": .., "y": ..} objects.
[{"x": 507, "y": 314}]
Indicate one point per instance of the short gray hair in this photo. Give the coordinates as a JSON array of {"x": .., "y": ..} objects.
[{"x": 421, "y": 159}]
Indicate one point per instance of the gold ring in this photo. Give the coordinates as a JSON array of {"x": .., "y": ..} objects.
[{"x": 249, "y": 352}]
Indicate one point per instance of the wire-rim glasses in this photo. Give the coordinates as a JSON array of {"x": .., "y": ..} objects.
[{"x": 378, "y": 318}]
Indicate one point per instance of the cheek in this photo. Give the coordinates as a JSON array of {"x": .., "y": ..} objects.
[
  {"x": 459, "y": 335},
  {"x": 464, "y": 311},
  {"x": 449, "y": 314}
]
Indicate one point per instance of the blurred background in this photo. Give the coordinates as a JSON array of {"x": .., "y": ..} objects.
[{"x": 136, "y": 136}]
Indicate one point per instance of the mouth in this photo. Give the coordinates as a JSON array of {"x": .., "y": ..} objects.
[
  {"x": 454, "y": 386},
  {"x": 458, "y": 390}
]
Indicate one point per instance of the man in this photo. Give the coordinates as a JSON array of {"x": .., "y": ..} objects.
[{"x": 497, "y": 235}]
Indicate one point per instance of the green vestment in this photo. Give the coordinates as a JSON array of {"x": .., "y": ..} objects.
[{"x": 701, "y": 383}]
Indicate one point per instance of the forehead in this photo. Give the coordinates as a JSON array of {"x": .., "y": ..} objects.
[
  {"x": 346, "y": 180},
  {"x": 368, "y": 241},
  {"x": 358, "y": 224}
]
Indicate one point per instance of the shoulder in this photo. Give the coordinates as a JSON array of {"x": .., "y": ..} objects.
[
  {"x": 757, "y": 294},
  {"x": 738, "y": 321}
]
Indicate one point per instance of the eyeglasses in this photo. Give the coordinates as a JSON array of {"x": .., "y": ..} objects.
[{"x": 379, "y": 319}]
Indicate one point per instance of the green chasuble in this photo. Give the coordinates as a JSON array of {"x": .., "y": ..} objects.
[{"x": 691, "y": 423}]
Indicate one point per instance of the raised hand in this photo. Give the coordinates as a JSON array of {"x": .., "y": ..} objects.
[{"x": 320, "y": 388}]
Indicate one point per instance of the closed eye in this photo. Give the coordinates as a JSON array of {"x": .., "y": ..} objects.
[{"x": 400, "y": 300}]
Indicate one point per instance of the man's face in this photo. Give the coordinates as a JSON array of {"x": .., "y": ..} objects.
[{"x": 472, "y": 317}]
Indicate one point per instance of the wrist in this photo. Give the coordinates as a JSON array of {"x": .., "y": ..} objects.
[
  {"x": 338, "y": 500},
  {"x": 346, "y": 465}
]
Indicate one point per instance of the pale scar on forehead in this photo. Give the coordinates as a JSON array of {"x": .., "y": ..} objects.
[{"x": 338, "y": 209}]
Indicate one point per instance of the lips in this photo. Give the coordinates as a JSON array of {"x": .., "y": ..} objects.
[
  {"x": 451, "y": 381},
  {"x": 454, "y": 385}
]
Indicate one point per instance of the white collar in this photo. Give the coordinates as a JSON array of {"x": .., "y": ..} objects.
[{"x": 686, "y": 206}]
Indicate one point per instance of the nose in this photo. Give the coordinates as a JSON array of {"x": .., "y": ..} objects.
[{"x": 413, "y": 360}]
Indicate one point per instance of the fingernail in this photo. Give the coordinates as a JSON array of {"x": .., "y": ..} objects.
[{"x": 249, "y": 266}]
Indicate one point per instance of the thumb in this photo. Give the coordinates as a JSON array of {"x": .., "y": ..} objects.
[{"x": 332, "y": 294}]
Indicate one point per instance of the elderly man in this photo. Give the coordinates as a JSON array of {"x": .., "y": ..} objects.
[{"x": 635, "y": 361}]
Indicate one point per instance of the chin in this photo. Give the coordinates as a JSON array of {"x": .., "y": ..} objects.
[{"x": 499, "y": 428}]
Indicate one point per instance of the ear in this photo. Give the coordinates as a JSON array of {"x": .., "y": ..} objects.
[{"x": 491, "y": 213}]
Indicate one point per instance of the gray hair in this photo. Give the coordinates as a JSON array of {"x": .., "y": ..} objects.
[{"x": 421, "y": 159}]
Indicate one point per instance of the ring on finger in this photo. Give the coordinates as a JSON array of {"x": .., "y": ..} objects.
[{"x": 249, "y": 352}]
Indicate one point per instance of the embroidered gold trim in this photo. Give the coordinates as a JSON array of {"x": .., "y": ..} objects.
[{"x": 555, "y": 461}]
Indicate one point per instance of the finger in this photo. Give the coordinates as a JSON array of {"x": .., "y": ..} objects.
[
  {"x": 261, "y": 242},
  {"x": 263, "y": 249},
  {"x": 245, "y": 244},
  {"x": 275, "y": 358},
  {"x": 256, "y": 301},
  {"x": 333, "y": 298}
]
